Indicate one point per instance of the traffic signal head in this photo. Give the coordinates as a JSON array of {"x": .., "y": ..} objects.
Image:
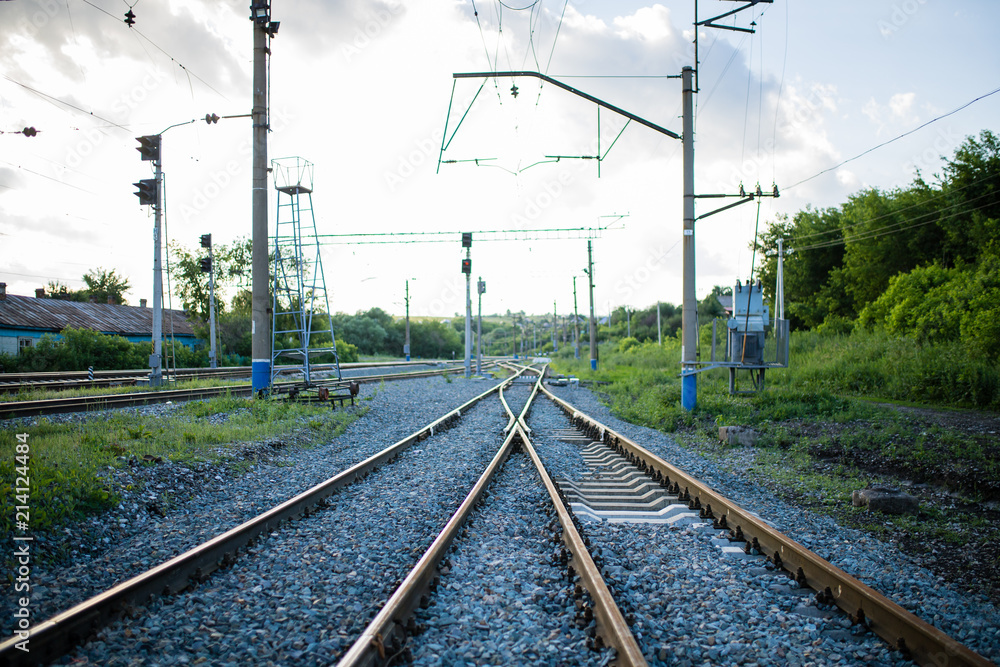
[
  {"x": 206, "y": 240},
  {"x": 147, "y": 192},
  {"x": 466, "y": 266},
  {"x": 466, "y": 239},
  {"x": 206, "y": 264},
  {"x": 149, "y": 147}
]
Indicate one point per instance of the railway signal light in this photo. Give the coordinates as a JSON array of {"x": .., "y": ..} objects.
[
  {"x": 147, "y": 192},
  {"x": 466, "y": 239},
  {"x": 149, "y": 147},
  {"x": 467, "y": 266},
  {"x": 206, "y": 264},
  {"x": 206, "y": 240},
  {"x": 481, "y": 286}
]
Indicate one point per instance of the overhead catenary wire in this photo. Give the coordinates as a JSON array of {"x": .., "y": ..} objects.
[{"x": 161, "y": 50}]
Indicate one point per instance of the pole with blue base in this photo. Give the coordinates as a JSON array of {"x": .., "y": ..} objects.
[
  {"x": 260, "y": 375},
  {"x": 689, "y": 335}
]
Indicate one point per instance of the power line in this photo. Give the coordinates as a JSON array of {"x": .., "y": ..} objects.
[
  {"x": 886, "y": 143},
  {"x": 64, "y": 103},
  {"x": 897, "y": 227},
  {"x": 161, "y": 49}
]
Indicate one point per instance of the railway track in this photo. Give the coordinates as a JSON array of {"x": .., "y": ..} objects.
[
  {"x": 61, "y": 380},
  {"x": 590, "y": 563},
  {"x": 12, "y": 409}
]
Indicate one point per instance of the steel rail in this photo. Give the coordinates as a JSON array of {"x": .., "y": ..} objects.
[
  {"x": 13, "y": 382},
  {"x": 904, "y": 631},
  {"x": 387, "y": 631},
  {"x": 52, "y": 638},
  {"x": 10, "y": 409}
]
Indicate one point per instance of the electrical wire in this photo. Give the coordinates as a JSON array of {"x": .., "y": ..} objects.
[
  {"x": 898, "y": 211},
  {"x": 161, "y": 50},
  {"x": 777, "y": 106},
  {"x": 898, "y": 227},
  {"x": 897, "y": 138},
  {"x": 556, "y": 38},
  {"x": 71, "y": 106},
  {"x": 486, "y": 49}
]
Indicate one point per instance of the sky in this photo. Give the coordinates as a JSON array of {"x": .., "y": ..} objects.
[{"x": 363, "y": 89}]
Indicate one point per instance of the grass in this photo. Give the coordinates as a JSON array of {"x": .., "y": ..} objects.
[
  {"x": 69, "y": 462},
  {"x": 44, "y": 394}
]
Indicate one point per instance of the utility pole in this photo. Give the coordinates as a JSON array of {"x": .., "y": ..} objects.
[
  {"x": 406, "y": 343},
  {"x": 467, "y": 270},
  {"x": 593, "y": 320},
  {"x": 263, "y": 29},
  {"x": 480, "y": 287},
  {"x": 659, "y": 330},
  {"x": 628, "y": 322},
  {"x": 689, "y": 335},
  {"x": 555, "y": 323},
  {"x": 206, "y": 242},
  {"x": 576, "y": 324},
  {"x": 150, "y": 194}
]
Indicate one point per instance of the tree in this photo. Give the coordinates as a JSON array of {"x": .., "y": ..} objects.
[{"x": 106, "y": 286}]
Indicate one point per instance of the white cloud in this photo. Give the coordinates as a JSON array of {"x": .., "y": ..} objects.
[{"x": 647, "y": 24}]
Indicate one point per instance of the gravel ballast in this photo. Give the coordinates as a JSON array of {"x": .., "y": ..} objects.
[
  {"x": 172, "y": 507},
  {"x": 647, "y": 553},
  {"x": 503, "y": 598},
  {"x": 303, "y": 594}
]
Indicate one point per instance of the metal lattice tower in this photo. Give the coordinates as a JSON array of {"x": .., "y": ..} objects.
[{"x": 302, "y": 323}]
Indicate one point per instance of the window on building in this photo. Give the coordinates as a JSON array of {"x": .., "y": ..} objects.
[{"x": 23, "y": 342}]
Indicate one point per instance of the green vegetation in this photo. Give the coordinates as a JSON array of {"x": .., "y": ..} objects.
[{"x": 70, "y": 463}]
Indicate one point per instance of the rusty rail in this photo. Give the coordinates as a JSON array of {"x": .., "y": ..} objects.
[
  {"x": 52, "y": 638},
  {"x": 387, "y": 631},
  {"x": 904, "y": 631}
]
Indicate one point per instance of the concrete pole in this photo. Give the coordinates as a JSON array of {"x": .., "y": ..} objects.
[
  {"x": 628, "y": 322},
  {"x": 468, "y": 318},
  {"x": 555, "y": 323},
  {"x": 576, "y": 324},
  {"x": 659, "y": 329},
  {"x": 156, "y": 359},
  {"x": 213, "y": 355},
  {"x": 593, "y": 320},
  {"x": 406, "y": 344},
  {"x": 480, "y": 287},
  {"x": 260, "y": 325},
  {"x": 689, "y": 335}
]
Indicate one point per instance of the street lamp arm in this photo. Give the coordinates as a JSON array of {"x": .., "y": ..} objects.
[{"x": 571, "y": 89}]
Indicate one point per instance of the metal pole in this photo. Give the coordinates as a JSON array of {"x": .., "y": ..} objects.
[
  {"x": 156, "y": 359},
  {"x": 260, "y": 326},
  {"x": 213, "y": 356},
  {"x": 480, "y": 287},
  {"x": 576, "y": 324},
  {"x": 468, "y": 318},
  {"x": 779, "y": 292},
  {"x": 593, "y": 320},
  {"x": 689, "y": 336},
  {"x": 406, "y": 344}
]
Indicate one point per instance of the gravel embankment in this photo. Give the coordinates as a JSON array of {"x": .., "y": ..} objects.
[
  {"x": 303, "y": 594},
  {"x": 168, "y": 508},
  {"x": 770, "y": 622},
  {"x": 504, "y": 599}
]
